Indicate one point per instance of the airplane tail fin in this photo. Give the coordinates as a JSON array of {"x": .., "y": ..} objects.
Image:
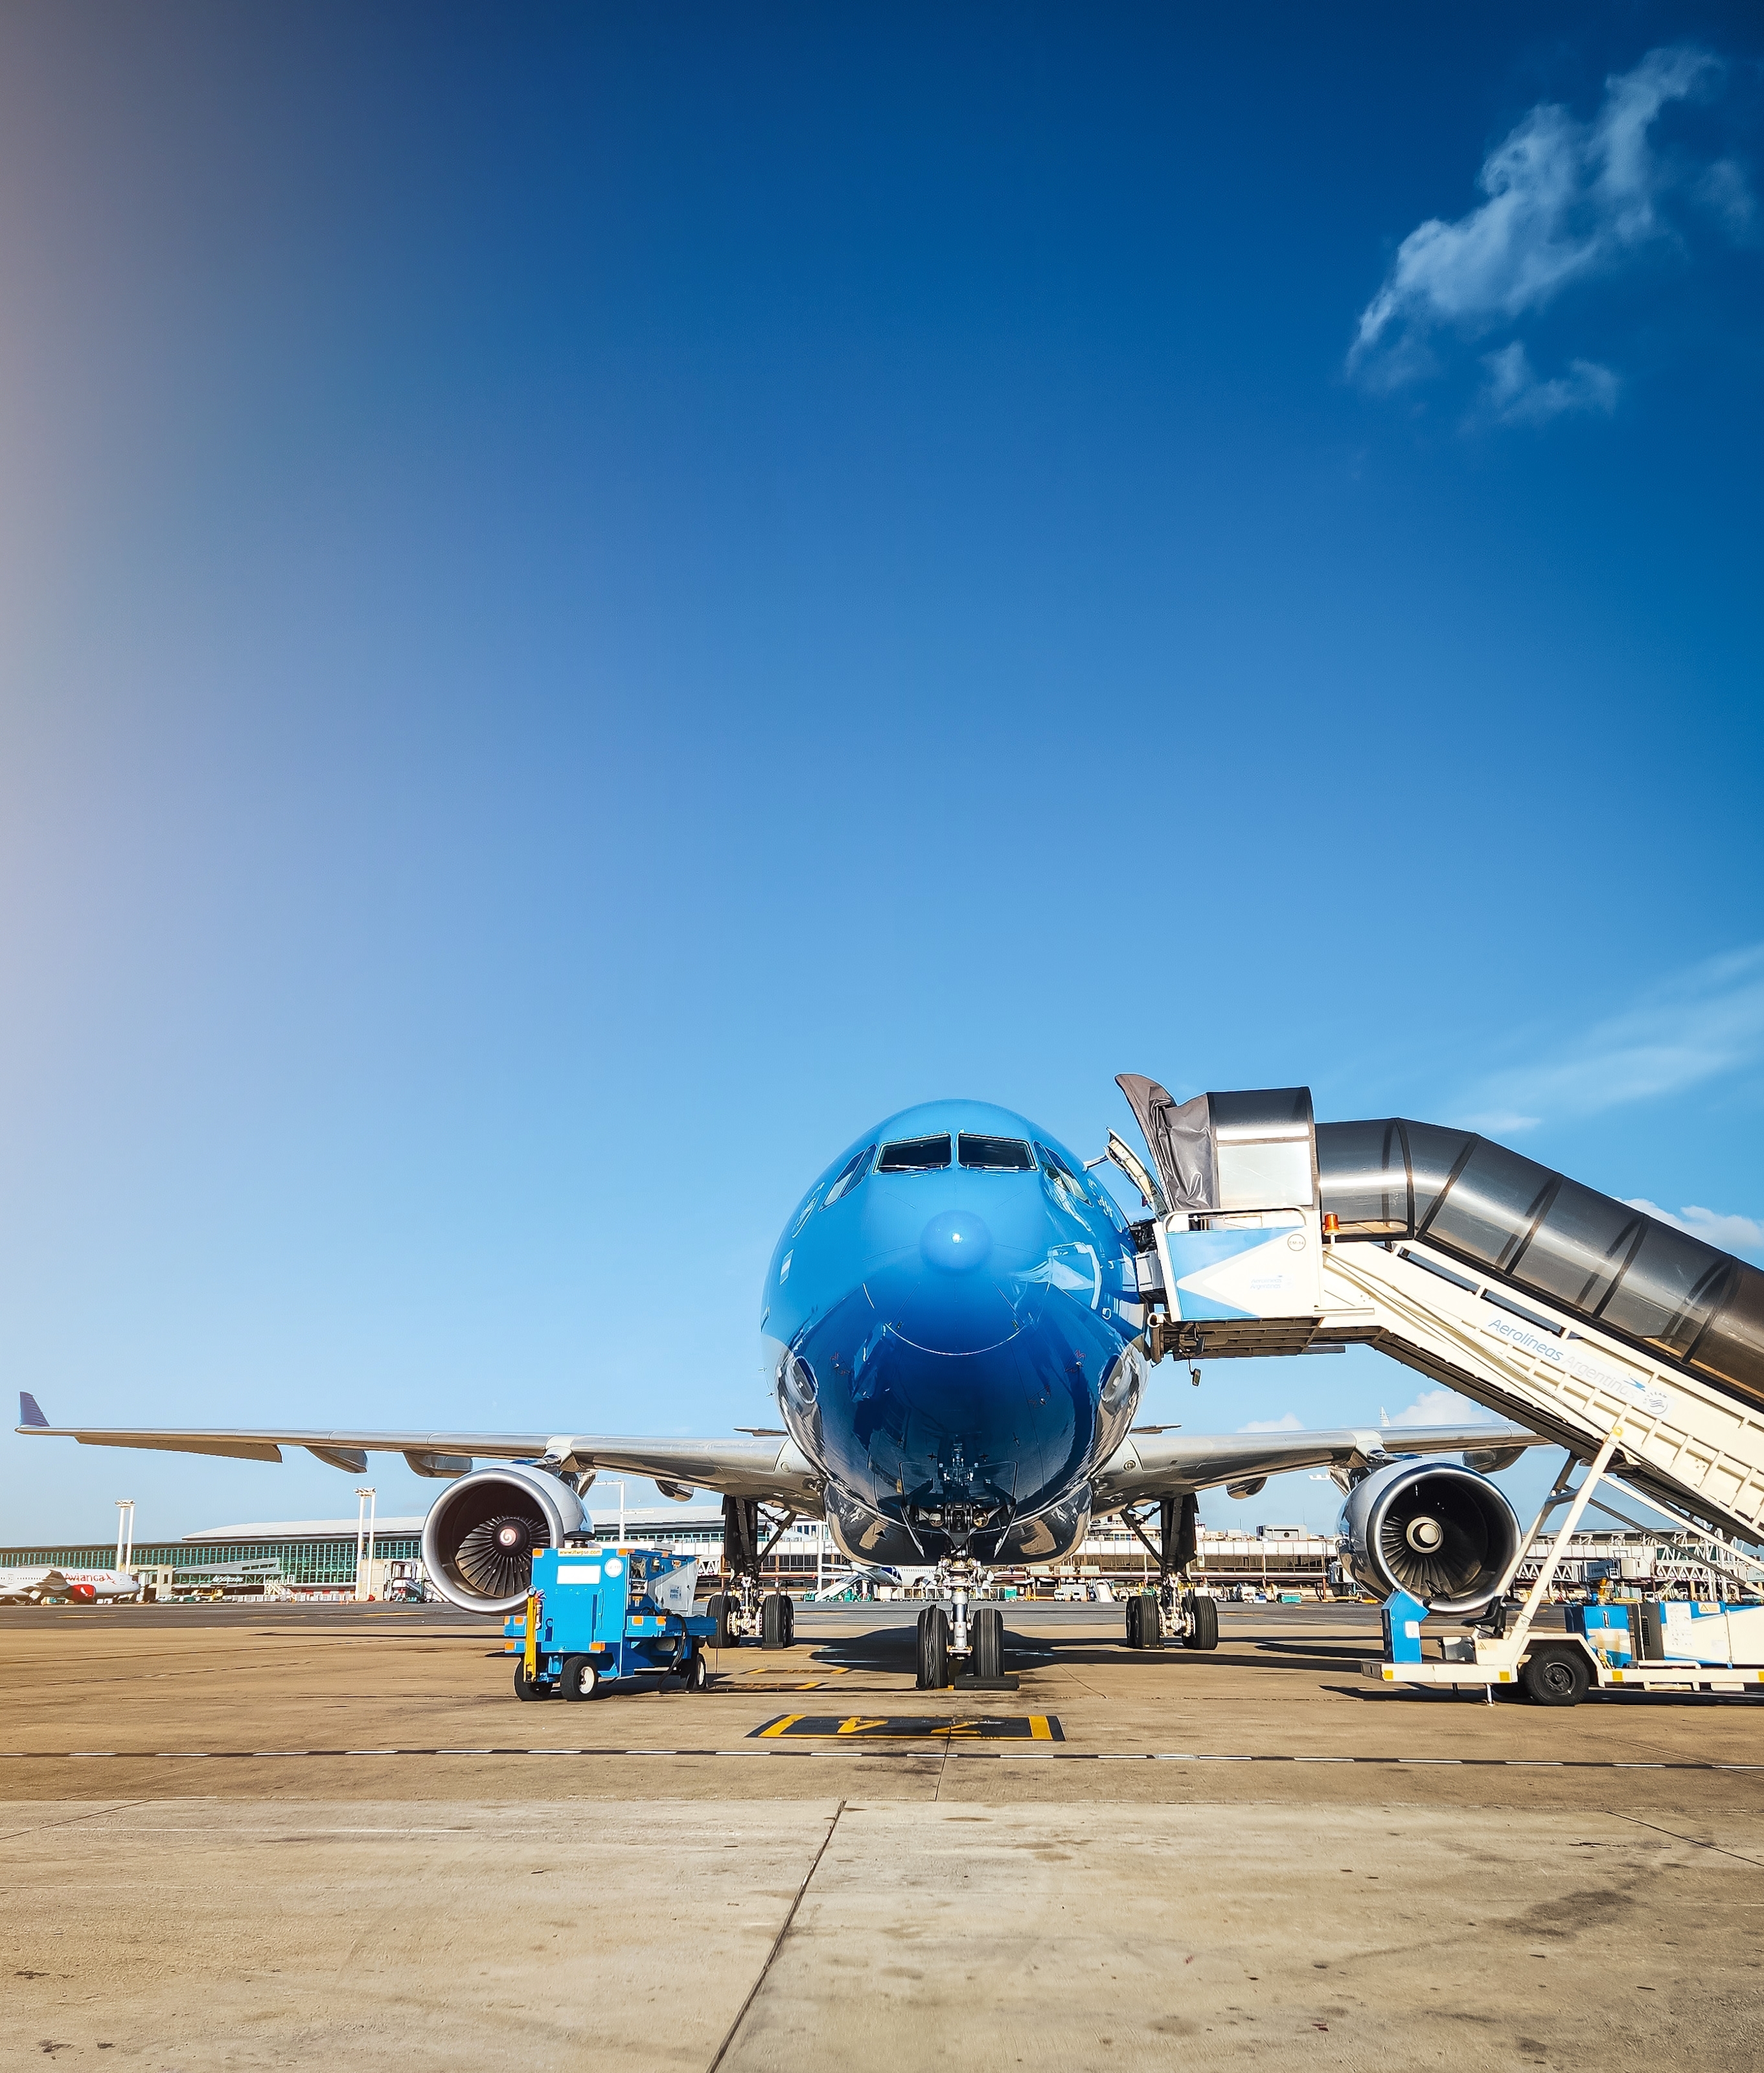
[{"x": 30, "y": 1410}]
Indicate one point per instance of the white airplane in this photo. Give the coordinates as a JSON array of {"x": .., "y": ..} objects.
[{"x": 28, "y": 1586}]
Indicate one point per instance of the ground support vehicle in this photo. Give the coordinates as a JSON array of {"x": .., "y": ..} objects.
[
  {"x": 1650, "y": 1644},
  {"x": 596, "y": 1615}
]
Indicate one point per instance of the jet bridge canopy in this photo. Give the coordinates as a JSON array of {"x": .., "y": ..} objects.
[
  {"x": 1638, "y": 1278},
  {"x": 1248, "y": 1150}
]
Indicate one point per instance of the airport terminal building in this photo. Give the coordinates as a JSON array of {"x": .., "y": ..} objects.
[{"x": 318, "y": 1558}]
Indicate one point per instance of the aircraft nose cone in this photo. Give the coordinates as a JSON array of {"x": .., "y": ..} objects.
[{"x": 956, "y": 1243}]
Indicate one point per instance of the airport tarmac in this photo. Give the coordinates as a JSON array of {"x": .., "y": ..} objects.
[{"x": 249, "y": 1837}]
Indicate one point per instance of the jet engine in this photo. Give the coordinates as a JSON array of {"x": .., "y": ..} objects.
[
  {"x": 481, "y": 1533},
  {"x": 1443, "y": 1534}
]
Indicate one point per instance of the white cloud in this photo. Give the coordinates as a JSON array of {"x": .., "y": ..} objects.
[
  {"x": 1567, "y": 201},
  {"x": 1291, "y": 1423},
  {"x": 1501, "y": 1122},
  {"x": 1724, "y": 192},
  {"x": 1732, "y": 1234},
  {"x": 1516, "y": 396},
  {"x": 1693, "y": 1028},
  {"x": 1439, "y": 1406}
]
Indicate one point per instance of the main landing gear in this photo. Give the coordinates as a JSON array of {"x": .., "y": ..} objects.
[
  {"x": 1172, "y": 1612},
  {"x": 746, "y": 1611}
]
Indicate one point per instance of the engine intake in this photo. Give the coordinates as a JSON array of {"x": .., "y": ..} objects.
[
  {"x": 1445, "y": 1534},
  {"x": 482, "y": 1532}
]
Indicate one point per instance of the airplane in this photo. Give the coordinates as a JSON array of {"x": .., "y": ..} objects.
[
  {"x": 957, "y": 1323},
  {"x": 39, "y": 1586}
]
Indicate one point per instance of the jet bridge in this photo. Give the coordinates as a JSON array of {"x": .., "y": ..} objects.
[{"x": 1554, "y": 1306}]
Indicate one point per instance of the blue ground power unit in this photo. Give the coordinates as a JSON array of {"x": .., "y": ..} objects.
[{"x": 596, "y": 1615}]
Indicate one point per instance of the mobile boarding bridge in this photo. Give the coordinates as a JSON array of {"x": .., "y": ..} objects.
[{"x": 1637, "y": 1349}]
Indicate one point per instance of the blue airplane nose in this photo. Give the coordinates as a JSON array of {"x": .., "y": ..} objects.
[{"x": 956, "y": 1241}]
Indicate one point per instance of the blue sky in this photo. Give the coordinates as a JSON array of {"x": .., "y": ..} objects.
[{"x": 592, "y": 598}]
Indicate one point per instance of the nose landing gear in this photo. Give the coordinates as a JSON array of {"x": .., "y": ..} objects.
[{"x": 964, "y": 1644}]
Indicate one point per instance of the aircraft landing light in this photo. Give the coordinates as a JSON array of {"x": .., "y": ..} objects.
[{"x": 915, "y": 1727}]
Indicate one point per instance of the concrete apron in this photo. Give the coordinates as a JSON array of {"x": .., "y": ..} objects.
[{"x": 191, "y": 1934}]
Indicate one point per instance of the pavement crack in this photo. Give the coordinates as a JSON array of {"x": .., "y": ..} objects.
[
  {"x": 1739, "y": 1857},
  {"x": 777, "y": 1945},
  {"x": 91, "y": 1813}
]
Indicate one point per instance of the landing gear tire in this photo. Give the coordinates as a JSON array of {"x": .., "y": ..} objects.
[
  {"x": 775, "y": 1621},
  {"x": 1143, "y": 1627},
  {"x": 1556, "y": 1677},
  {"x": 526, "y": 1687},
  {"x": 580, "y": 1679},
  {"x": 1203, "y": 1622},
  {"x": 717, "y": 1608},
  {"x": 934, "y": 1649},
  {"x": 986, "y": 1631}
]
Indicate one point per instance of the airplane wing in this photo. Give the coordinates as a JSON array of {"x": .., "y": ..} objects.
[
  {"x": 769, "y": 1466},
  {"x": 1172, "y": 1464}
]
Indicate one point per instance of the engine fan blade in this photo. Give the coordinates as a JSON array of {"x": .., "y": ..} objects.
[
  {"x": 1435, "y": 1551},
  {"x": 496, "y": 1557}
]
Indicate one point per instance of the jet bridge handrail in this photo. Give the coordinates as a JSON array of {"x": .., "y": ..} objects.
[{"x": 1640, "y": 1280}]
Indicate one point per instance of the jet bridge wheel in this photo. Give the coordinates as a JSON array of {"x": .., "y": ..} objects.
[
  {"x": 1555, "y": 1676},
  {"x": 1203, "y": 1621},
  {"x": 934, "y": 1649}
]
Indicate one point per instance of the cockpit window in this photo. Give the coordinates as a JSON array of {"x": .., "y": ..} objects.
[
  {"x": 1064, "y": 1182},
  {"x": 996, "y": 1154},
  {"x": 915, "y": 1155},
  {"x": 850, "y": 1174}
]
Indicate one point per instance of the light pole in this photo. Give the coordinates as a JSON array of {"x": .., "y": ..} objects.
[
  {"x": 620, "y": 1488},
  {"x": 124, "y": 1531},
  {"x": 364, "y": 1539}
]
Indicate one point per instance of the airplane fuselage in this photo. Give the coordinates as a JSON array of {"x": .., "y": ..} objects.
[
  {"x": 31, "y": 1585},
  {"x": 950, "y": 1325}
]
